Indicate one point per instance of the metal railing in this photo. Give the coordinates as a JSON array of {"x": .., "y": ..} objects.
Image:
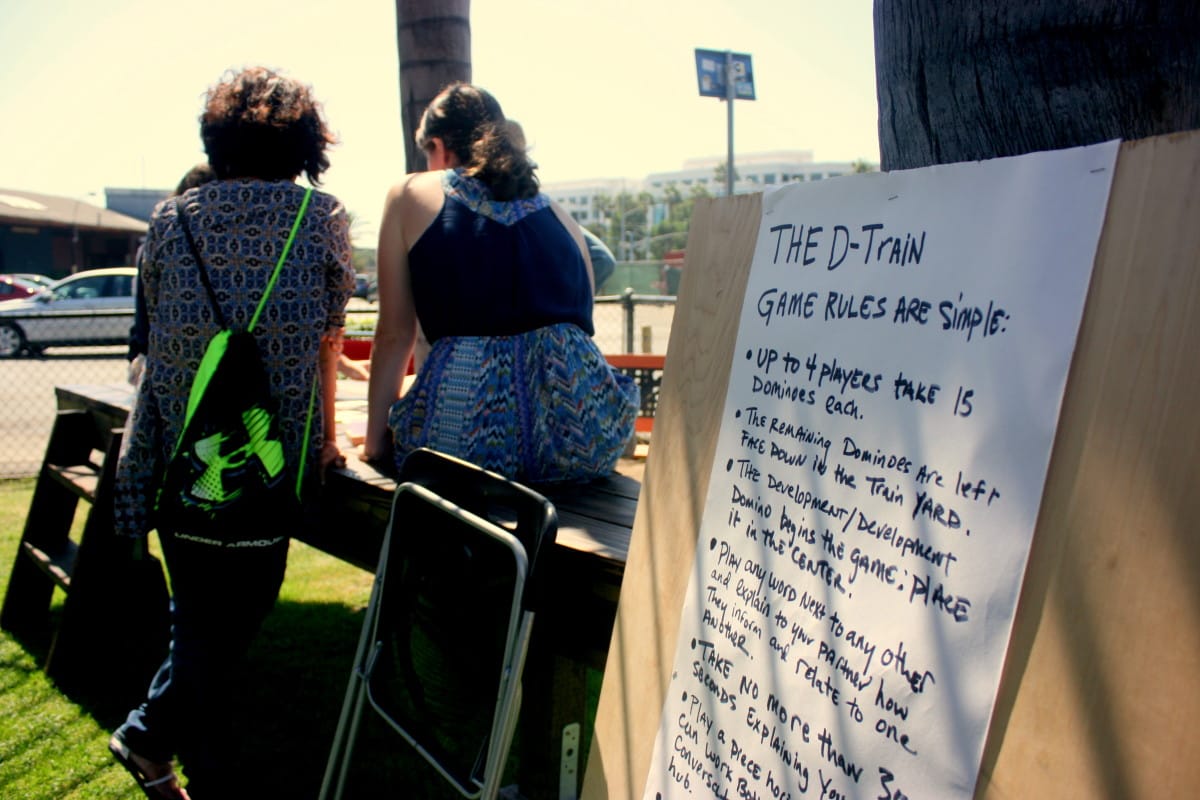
[{"x": 657, "y": 313}]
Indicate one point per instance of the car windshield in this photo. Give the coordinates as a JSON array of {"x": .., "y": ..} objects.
[{"x": 78, "y": 290}]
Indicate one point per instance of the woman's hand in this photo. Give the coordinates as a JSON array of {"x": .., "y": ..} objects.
[{"x": 331, "y": 456}]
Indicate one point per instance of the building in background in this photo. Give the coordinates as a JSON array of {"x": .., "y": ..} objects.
[
  {"x": 57, "y": 236},
  {"x": 579, "y": 197},
  {"x": 136, "y": 203},
  {"x": 753, "y": 171},
  {"x": 627, "y": 214}
]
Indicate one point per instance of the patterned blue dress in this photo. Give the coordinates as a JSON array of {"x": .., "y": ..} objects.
[{"x": 513, "y": 381}]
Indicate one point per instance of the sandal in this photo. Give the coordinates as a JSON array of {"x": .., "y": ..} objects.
[{"x": 164, "y": 787}]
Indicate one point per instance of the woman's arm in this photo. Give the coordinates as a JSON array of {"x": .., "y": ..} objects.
[
  {"x": 396, "y": 330},
  {"x": 331, "y": 351},
  {"x": 603, "y": 261},
  {"x": 339, "y": 284},
  {"x": 576, "y": 232}
]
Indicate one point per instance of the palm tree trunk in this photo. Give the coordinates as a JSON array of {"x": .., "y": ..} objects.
[
  {"x": 433, "y": 38},
  {"x": 961, "y": 81}
]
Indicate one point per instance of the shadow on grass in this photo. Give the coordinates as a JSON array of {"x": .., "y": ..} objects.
[
  {"x": 104, "y": 688},
  {"x": 288, "y": 709},
  {"x": 299, "y": 670}
]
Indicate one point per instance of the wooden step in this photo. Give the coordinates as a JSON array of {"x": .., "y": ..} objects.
[
  {"x": 81, "y": 479},
  {"x": 57, "y": 564}
]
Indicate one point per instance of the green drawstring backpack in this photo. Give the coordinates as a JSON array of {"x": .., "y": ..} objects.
[{"x": 228, "y": 470}]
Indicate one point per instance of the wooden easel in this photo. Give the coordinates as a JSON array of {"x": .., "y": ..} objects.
[{"x": 1099, "y": 696}]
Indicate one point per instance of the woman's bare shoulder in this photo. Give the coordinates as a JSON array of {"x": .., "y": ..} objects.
[
  {"x": 416, "y": 185},
  {"x": 414, "y": 202}
]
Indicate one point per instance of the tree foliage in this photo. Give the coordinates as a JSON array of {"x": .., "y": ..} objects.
[{"x": 645, "y": 227}]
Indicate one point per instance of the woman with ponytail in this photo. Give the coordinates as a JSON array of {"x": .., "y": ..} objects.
[{"x": 499, "y": 276}]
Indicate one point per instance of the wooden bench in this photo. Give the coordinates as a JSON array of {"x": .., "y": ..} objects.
[{"x": 586, "y": 568}]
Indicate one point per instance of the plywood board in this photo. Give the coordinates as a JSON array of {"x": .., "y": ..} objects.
[
  {"x": 700, "y": 350},
  {"x": 1098, "y": 688}
]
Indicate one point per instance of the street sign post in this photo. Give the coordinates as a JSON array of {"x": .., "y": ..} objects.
[{"x": 729, "y": 76}]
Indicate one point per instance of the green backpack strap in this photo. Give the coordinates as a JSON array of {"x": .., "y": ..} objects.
[
  {"x": 312, "y": 401},
  {"x": 282, "y": 257},
  {"x": 312, "y": 395}
]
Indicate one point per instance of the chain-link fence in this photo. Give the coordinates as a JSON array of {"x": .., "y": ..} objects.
[
  {"x": 634, "y": 321},
  {"x": 27, "y": 379}
]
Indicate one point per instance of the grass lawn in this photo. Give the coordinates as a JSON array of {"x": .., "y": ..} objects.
[{"x": 53, "y": 743}]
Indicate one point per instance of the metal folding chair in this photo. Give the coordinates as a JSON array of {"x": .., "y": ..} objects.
[{"x": 446, "y": 630}]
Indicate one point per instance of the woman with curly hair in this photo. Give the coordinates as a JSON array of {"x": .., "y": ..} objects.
[
  {"x": 261, "y": 131},
  {"x": 499, "y": 276}
]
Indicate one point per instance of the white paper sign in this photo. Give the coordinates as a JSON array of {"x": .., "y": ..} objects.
[{"x": 899, "y": 370}]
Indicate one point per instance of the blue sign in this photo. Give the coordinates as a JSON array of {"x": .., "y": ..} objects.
[{"x": 710, "y": 74}]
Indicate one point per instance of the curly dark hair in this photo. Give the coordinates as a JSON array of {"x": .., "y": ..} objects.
[
  {"x": 196, "y": 176},
  {"x": 472, "y": 125},
  {"x": 260, "y": 124}
]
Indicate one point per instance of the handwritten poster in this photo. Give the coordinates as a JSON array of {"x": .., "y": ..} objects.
[{"x": 900, "y": 364}]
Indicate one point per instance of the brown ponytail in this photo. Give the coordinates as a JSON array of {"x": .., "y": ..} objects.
[{"x": 472, "y": 125}]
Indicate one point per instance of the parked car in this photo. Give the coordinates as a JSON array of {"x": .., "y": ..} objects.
[
  {"x": 13, "y": 288},
  {"x": 93, "y": 307},
  {"x": 366, "y": 287}
]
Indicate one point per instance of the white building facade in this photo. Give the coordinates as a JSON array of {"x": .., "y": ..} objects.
[
  {"x": 579, "y": 197},
  {"x": 755, "y": 172}
]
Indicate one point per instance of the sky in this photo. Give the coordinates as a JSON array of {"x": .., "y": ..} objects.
[{"x": 108, "y": 94}]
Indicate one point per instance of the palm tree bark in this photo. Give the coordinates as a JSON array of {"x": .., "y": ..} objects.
[
  {"x": 433, "y": 38},
  {"x": 962, "y": 81}
]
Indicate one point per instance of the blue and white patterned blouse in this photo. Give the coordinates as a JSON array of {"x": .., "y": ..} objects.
[{"x": 240, "y": 227}]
